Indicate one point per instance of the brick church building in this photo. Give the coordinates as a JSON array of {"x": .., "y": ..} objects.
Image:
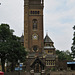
[{"x": 41, "y": 51}]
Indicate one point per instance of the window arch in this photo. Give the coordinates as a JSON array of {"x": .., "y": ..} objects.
[{"x": 34, "y": 23}]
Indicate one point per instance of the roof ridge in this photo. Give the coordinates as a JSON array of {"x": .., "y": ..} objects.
[{"x": 47, "y": 39}]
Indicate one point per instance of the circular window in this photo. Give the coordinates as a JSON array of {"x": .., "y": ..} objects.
[{"x": 35, "y": 48}]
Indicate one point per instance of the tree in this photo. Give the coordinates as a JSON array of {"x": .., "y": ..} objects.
[
  {"x": 63, "y": 55},
  {"x": 73, "y": 45},
  {"x": 5, "y": 33},
  {"x": 16, "y": 52},
  {"x": 10, "y": 47}
]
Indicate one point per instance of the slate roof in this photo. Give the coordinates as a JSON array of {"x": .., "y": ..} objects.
[
  {"x": 49, "y": 47},
  {"x": 35, "y": 61},
  {"x": 47, "y": 39}
]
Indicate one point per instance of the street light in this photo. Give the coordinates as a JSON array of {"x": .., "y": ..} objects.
[{"x": 19, "y": 67}]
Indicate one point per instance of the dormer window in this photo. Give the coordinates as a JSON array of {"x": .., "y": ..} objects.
[{"x": 47, "y": 44}]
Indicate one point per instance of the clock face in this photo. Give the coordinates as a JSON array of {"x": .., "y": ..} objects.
[{"x": 35, "y": 37}]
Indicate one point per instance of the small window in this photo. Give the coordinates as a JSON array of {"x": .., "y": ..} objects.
[
  {"x": 31, "y": 12},
  {"x": 35, "y": 12},
  {"x": 38, "y": 12},
  {"x": 50, "y": 52},
  {"x": 50, "y": 63},
  {"x": 47, "y": 44},
  {"x": 53, "y": 63}
]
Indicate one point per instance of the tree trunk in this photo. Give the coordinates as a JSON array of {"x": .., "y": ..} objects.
[
  {"x": 12, "y": 66},
  {"x": 3, "y": 65}
]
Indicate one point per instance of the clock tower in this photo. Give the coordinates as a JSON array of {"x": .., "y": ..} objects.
[
  {"x": 33, "y": 25},
  {"x": 41, "y": 52}
]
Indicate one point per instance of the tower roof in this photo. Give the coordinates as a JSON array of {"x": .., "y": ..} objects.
[
  {"x": 47, "y": 39},
  {"x": 22, "y": 38}
]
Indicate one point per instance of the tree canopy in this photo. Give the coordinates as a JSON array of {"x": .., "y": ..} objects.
[
  {"x": 73, "y": 45},
  {"x": 64, "y": 55},
  {"x": 10, "y": 47}
]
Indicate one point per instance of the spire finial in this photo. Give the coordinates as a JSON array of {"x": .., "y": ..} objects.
[{"x": 22, "y": 32}]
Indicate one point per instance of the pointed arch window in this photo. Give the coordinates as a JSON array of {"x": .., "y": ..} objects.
[{"x": 34, "y": 24}]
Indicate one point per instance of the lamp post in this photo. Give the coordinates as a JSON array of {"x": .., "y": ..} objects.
[{"x": 19, "y": 67}]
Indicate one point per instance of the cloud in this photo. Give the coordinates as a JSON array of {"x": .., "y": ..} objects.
[
  {"x": 11, "y": 12},
  {"x": 59, "y": 18}
]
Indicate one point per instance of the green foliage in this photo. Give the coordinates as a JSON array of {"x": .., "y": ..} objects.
[
  {"x": 73, "y": 39},
  {"x": 16, "y": 50},
  {"x": 5, "y": 34},
  {"x": 53, "y": 69},
  {"x": 48, "y": 70},
  {"x": 74, "y": 27},
  {"x": 73, "y": 45},
  {"x": 63, "y": 55},
  {"x": 10, "y": 47}
]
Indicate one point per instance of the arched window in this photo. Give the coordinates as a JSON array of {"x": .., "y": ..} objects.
[
  {"x": 31, "y": 12},
  {"x": 34, "y": 24}
]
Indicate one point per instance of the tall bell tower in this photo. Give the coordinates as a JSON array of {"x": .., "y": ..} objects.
[{"x": 33, "y": 25}]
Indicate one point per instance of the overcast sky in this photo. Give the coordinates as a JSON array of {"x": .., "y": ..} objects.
[{"x": 59, "y": 18}]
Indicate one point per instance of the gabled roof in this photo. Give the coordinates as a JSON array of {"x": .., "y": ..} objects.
[
  {"x": 37, "y": 60},
  {"x": 47, "y": 39}
]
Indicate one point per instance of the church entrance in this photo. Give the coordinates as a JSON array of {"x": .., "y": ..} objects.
[
  {"x": 37, "y": 66},
  {"x": 37, "y": 73}
]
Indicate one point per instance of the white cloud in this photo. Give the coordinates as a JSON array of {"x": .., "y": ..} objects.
[
  {"x": 59, "y": 22},
  {"x": 11, "y": 12},
  {"x": 70, "y": 2},
  {"x": 59, "y": 18}
]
